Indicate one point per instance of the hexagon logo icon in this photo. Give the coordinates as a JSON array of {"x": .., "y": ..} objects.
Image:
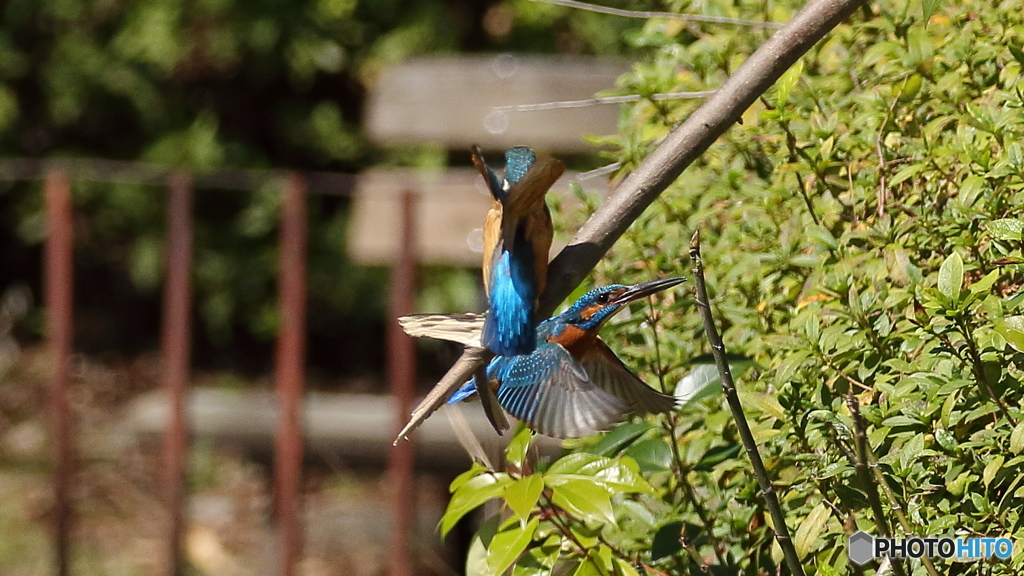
[{"x": 860, "y": 547}]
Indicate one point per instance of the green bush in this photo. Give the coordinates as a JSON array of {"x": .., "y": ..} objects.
[{"x": 862, "y": 243}]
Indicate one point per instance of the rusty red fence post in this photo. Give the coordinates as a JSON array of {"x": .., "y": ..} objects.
[
  {"x": 175, "y": 343},
  {"x": 59, "y": 285},
  {"x": 402, "y": 379},
  {"x": 291, "y": 343}
]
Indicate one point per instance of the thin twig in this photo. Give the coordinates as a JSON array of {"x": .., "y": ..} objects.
[
  {"x": 672, "y": 15},
  {"x": 688, "y": 492},
  {"x": 568, "y": 533},
  {"x": 844, "y": 375},
  {"x": 860, "y": 439},
  {"x": 661, "y": 168},
  {"x": 607, "y": 169},
  {"x": 896, "y": 508},
  {"x": 718, "y": 351},
  {"x": 978, "y": 368},
  {"x": 597, "y": 100}
]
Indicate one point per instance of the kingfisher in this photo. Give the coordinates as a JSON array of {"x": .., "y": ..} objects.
[
  {"x": 572, "y": 384},
  {"x": 517, "y": 239}
]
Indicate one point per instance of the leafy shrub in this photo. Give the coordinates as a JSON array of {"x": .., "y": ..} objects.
[{"x": 862, "y": 241}]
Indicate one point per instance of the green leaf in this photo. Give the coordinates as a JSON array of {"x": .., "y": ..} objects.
[
  {"x": 584, "y": 499},
  {"x": 928, "y": 8},
  {"x": 588, "y": 567},
  {"x": 1018, "y": 54},
  {"x": 919, "y": 46},
  {"x": 958, "y": 485},
  {"x": 476, "y": 559},
  {"x": 947, "y": 407},
  {"x": 991, "y": 469},
  {"x": 715, "y": 456},
  {"x": 613, "y": 475},
  {"x": 906, "y": 172},
  {"x": 822, "y": 236},
  {"x": 521, "y": 495},
  {"x": 1010, "y": 229},
  {"x": 703, "y": 381},
  {"x": 911, "y": 450},
  {"x": 786, "y": 83},
  {"x": 667, "y": 541},
  {"x": 619, "y": 438},
  {"x": 946, "y": 439},
  {"x": 508, "y": 545},
  {"x": 471, "y": 495},
  {"x": 951, "y": 277},
  {"x": 901, "y": 420},
  {"x": 1011, "y": 328},
  {"x": 623, "y": 568},
  {"x": 653, "y": 454},
  {"x": 517, "y": 448},
  {"x": 809, "y": 532},
  {"x": 1017, "y": 438},
  {"x": 475, "y": 470},
  {"x": 985, "y": 284}
]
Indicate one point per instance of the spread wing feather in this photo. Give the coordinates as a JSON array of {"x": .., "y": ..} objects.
[
  {"x": 554, "y": 395},
  {"x": 610, "y": 374}
]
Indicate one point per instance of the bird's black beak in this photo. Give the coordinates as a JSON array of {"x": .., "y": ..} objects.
[{"x": 646, "y": 289}]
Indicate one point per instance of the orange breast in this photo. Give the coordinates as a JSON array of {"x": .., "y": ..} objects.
[{"x": 576, "y": 341}]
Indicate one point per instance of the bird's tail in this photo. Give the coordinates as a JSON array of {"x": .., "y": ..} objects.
[{"x": 463, "y": 329}]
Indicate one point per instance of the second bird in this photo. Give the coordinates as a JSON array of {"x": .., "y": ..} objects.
[
  {"x": 517, "y": 238},
  {"x": 572, "y": 385}
]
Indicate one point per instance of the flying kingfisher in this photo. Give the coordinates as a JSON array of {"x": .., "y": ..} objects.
[
  {"x": 517, "y": 238},
  {"x": 572, "y": 384}
]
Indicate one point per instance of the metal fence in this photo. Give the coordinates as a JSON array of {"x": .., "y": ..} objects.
[{"x": 176, "y": 341}]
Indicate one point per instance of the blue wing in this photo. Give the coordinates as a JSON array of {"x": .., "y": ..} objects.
[
  {"x": 610, "y": 374},
  {"x": 554, "y": 395}
]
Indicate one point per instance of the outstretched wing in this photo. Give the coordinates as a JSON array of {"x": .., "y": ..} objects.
[
  {"x": 553, "y": 394},
  {"x": 610, "y": 374}
]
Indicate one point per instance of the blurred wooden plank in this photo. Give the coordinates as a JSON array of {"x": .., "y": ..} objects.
[
  {"x": 450, "y": 100},
  {"x": 356, "y": 428}
]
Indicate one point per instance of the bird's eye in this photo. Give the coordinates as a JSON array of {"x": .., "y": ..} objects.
[{"x": 602, "y": 298}]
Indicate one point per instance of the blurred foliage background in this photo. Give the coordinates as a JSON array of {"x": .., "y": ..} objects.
[{"x": 204, "y": 84}]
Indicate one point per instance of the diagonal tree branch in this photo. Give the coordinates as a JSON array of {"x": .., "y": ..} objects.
[
  {"x": 687, "y": 142},
  {"x": 684, "y": 145}
]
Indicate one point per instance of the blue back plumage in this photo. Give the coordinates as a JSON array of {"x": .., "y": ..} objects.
[{"x": 509, "y": 328}]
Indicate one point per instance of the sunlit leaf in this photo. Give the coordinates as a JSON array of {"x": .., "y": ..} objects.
[
  {"x": 991, "y": 469},
  {"x": 472, "y": 494},
  {"x": 619, "y": 438},
  {"x": 1011, "y": 328},
  {"x": 951, "y": 276},
  {"x": 515, "y": 455},
  {"x": 584, "y": 499},
  {"x": 507, "y": 545},
  {"x": 808, "y": 534},
  {"x": 522, "y": 494}
]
